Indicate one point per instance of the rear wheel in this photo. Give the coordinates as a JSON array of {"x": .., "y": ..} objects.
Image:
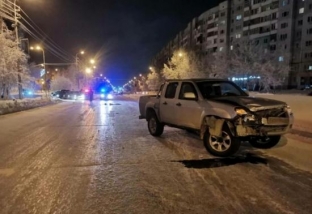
[
  {"x": 155, "y": 128},
  {"x": 223, "y": 146},
  {"x": 264, "y": 142}
]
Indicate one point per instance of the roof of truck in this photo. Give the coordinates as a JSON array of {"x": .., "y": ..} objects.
[{"x": 197, "y": 79}]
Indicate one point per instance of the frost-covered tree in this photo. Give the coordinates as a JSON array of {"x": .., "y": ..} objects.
[
  {"x": 72, "y": 74},
  {"x": 13, "y": 63},
  {"x": 153, "y": 81},
  {"x": 273, "y": 70},
  {"x": 248, "y": 58},
  {"x": 216, "y": 65},
  {"x": 183, "y": 65},
  {"x": 61, "y": 83}
]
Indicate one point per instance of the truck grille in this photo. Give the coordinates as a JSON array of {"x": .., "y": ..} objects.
[{"x": 275, "y": 112}]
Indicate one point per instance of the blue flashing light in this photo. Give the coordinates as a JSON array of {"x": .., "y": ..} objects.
[
  {"x": 102, "y": 90},
  {"x": 30, "y": 93}
]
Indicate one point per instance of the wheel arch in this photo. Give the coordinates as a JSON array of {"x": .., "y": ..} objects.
[{"x": 214, "y": 124}]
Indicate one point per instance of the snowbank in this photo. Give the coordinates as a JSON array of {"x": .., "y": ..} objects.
[{"x": 10, "y": 106}]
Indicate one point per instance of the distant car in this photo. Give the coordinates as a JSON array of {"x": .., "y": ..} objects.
[
  {"x": 74, "y": 95},
  {"x": 106, "y": 96},
  {"x": 60, "y": 94}
]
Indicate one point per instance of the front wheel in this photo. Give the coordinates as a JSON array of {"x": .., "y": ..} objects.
[
  {"x": 155, "y": 128},
  {"x": 223, "y": 146},
  {"x": 264, "y": 142}
]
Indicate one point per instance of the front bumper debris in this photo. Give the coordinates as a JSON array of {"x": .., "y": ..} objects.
[{"x": 264, "y": 124}]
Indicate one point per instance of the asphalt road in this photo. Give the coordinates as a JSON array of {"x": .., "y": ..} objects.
[{"x": 77, "y": 157}]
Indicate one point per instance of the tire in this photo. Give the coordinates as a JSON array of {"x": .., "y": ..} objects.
[
  {"x": 264, "y": 142},
  {"x": 229, "y": 145},
  {"x": 155, "y": 128}
]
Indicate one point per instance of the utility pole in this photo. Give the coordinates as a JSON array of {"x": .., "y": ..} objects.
[{"x": 19, "y": 78}]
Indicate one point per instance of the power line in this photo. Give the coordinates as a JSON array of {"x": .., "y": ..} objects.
[
  {"x": 44, "y": 34},
  {"x": 47, "y": 47},
  {"x": 47, "y": 42}
]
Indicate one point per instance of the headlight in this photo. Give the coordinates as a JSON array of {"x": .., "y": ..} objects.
[
  {"x": 102, "y": 95},
  {"x": 240, "y": 111},
  {"x": 288, "y": 109}
]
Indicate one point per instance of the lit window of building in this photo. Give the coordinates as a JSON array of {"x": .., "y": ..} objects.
[{"x": 238, "y": 17}]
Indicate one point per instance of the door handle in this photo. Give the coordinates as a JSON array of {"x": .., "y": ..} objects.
[
  {"x": 178, "y": 104},
  {"x": 165, "y": 103}
]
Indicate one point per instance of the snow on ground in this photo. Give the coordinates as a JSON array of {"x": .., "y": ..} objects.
[{"x": 10, "y": 106}]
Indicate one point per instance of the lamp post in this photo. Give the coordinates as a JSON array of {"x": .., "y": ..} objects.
[
  {"x": 77, "y": 66},
  {"x": 38, "y": 48}
]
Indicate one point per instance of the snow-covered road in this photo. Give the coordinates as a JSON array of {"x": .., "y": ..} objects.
[{"x": 80, "y": 158}]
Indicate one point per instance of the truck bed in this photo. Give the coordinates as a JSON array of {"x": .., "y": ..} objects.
[{"x": 142, "y": 104}]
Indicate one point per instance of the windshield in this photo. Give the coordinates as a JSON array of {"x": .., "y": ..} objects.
[{"x": 211, "y": 89}]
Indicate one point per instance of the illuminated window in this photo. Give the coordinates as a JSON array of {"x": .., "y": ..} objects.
[
  {"x": 281, "y": 59},
  {"x": 301, "y": 10},
  {"x": 238, "y": 17}
]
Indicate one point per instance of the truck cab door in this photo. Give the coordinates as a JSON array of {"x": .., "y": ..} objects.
[
  {"x": 168, "y": 103},
  {"x": 187, "y": 107}
]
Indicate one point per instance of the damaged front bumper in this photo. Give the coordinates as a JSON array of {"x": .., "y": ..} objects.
[{"x": 264, "y": 124}]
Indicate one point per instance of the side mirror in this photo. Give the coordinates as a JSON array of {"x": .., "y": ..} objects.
[{"x": 189, "y": 95}]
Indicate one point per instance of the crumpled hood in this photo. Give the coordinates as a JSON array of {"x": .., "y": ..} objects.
[{"x": 252, "y": 103}]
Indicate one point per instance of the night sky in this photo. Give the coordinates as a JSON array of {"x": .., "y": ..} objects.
[{"x": 123, "y": 35}]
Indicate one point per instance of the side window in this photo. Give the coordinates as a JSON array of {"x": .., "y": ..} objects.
[
  {"x": 171, "y": 90},
  {"x": 188, "y": 91}
]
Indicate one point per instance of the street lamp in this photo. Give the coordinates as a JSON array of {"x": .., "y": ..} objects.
[
  {"x": 44, "y": 62},
  {"x": 88, "y": 70},
  {"x": 180, "y": 54},
  {"x": 94, "y": 67},
  {"x": 92, "y": 61},
  {"x": 76, "y": 58},
  {"x": 140, "y": 75}
]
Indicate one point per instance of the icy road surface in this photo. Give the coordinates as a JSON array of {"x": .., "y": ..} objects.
[{"x": 80, "y": 158}]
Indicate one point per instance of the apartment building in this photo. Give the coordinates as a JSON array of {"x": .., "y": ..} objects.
[{"x": 284, "y": 25}]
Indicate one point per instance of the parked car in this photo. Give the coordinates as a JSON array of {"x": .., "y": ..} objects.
[
  {"x": 221, "y": 112},
  {"x": 74, "y": 95},
  {"x": 60, "y": 94}
]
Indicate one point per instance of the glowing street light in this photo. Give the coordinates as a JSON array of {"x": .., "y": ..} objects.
[
  {"x": 180, "y": 54},
  {"x": 88, "y": 70},
  {"x": 56, "y": 69},
  {"x": 101, "y": 75},
  {"x": 44, "y": 61},
  {"x": 92, "y": 61},
  {"x": 134, "y": 78},
  {"x": 94, "y": 67},
  {"x": 140, "y": 75}
]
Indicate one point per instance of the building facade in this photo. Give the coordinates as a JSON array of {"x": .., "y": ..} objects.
[{"x": 276, "y": 24}]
